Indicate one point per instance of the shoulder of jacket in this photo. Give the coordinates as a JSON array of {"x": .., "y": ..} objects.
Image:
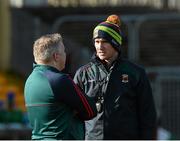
[
  {"x": 55, "y": 76},
  {"x": 86, "y": 67},
  {"x": 132, "y": 65},
  {"x": 135, "y": 71}
]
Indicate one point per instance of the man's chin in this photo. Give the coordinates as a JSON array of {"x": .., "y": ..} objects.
[{"x": 102, "y": 57}]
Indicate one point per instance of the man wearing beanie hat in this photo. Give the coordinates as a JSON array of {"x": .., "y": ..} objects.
[{"x": 121, "y": 89}]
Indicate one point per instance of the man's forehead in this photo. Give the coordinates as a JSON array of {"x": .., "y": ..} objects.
[{"x": 100, "y": 39}]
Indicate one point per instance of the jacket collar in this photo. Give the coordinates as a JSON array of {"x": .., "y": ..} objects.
[
  {"x": 99, "y": 62},
  {"x": 45, "y": 67}
]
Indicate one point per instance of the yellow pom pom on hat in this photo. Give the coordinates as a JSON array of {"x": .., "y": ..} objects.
[{"x": 110, "y": 30}]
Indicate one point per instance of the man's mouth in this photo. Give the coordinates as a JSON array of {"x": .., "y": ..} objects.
[{"x": 101, "y": 52}]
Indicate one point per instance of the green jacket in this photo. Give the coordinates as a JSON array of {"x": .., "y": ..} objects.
[{"x": 56, "y": 107}]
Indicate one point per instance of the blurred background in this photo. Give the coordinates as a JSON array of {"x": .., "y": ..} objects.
[{"x": 151, "y": 28}]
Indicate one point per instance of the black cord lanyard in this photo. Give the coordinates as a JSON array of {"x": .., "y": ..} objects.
[{"x": 102, "y": 85}]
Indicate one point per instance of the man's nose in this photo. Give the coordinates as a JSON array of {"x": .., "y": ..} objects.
[{"x": 100, "y": 45}]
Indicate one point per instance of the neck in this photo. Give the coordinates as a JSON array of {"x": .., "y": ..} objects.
[
  {"x": 52, "y": 64},
  {"x": 111, "y": 60}
]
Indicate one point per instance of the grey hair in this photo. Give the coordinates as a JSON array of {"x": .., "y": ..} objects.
[{"x": 45, "y": 46}]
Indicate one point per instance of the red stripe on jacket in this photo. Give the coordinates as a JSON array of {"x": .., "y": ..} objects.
[{"x": 85, "y": 103}]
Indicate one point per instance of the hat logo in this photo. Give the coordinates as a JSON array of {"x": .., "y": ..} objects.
[
  {"x": 95, "y": 33},
  {"x": 125, "y": 78}
]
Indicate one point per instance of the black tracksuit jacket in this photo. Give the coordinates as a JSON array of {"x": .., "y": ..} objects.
[{"x": 128, "y": 109}]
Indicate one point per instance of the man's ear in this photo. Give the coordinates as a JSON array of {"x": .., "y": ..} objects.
[{"x": 55, "y": 56}]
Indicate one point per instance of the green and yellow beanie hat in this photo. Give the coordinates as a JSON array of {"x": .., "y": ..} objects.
[{"x": 110, "y": 30}]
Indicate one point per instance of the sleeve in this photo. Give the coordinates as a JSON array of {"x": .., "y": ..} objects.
[
  {"x": 78, "y": 79},
  {"x": 73, "y": 96},
  {"x": 146, "y": 109}
]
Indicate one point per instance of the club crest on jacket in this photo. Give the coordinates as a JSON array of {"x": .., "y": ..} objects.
[{"x": 125, "y": 78}]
